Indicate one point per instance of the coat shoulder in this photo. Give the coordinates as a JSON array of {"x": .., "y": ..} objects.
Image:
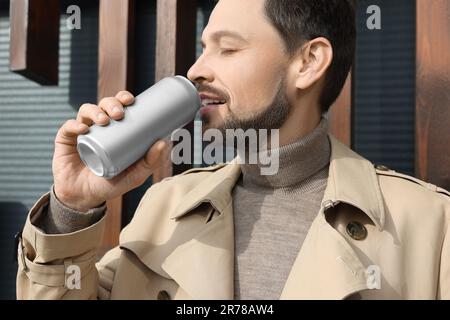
[
  {"x": 205, "y": 169},
  {"x": 162, "y": 200},
  {"x": 413, "y": 184},
  {"x": 178, "y": 185},
  {"x": 194, "y": 175}
]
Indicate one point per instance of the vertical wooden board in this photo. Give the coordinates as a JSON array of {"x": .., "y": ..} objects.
[
  {"x": 340, "y": 114},
  {"x": 116, "y": 37},
  {"x": 165, "y": 64},
  {"x": 166, "y": 38},
  {"x": 34, "y": 40},
  {"x": 433, "y": 92},
  {"x": 175, "y": 53},
  {"x": 186, "y": 36},
  {"x": 18, "y": 18}
]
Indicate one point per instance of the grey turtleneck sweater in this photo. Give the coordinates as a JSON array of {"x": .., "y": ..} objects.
[{"x": 272, "y": 215}]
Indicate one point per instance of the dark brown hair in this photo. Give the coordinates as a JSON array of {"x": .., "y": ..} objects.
[{"x": 298, "y": 21}]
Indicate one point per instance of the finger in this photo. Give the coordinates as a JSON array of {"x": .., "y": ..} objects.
[
  {"x": 139, "y": 172},
  {"x": 165, "y": 154},
  {"x": 125, "y": 97},
  {"x": 113, "y": 107},
  {"x": 153, "y": 155},
  {"x": 69, "y": 132},
  {"x": 90, "y": 114}
]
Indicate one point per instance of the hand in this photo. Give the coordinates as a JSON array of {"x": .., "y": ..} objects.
[{"x": 75, "y": 185}]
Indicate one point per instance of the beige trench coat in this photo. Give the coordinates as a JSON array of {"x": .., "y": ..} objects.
[{"x": 180, "y": 243}]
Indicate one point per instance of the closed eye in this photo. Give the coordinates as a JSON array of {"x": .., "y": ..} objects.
[{"x": 228, "y": 51}]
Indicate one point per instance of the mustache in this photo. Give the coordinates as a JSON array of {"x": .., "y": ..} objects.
[{"x": 212, "y": 90}]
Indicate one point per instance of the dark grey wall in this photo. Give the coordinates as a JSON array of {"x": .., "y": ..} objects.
[
  {"x": 384, "y": 84},
  {"x": 30, "y": 116}
]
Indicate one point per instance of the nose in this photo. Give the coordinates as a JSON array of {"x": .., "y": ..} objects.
[{"x": 200, "y": 71}]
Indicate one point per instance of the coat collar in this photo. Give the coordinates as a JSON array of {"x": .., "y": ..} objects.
[
  {"x": 352, "y": 179},
  {"x": 216, "y": 190}
]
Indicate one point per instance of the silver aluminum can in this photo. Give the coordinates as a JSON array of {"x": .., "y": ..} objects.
[{"x": 168, "y": 105}]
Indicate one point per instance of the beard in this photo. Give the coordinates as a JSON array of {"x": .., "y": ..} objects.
[{"x": 271, "y": 117}]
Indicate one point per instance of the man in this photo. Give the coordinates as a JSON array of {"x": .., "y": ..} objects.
[{"x": 328, "y": 225}]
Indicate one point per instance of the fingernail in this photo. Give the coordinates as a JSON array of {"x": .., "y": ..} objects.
[
  {"x": 126, "y": 96},
  {"x": 101, "y": 117},
  {"x": 117, "y": 110}
]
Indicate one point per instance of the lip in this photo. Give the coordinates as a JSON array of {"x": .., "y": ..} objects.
[
  {"x": 206, "y": 109},
  {"x": 205, "y": 96}
]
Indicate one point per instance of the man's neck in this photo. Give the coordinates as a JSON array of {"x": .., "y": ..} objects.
[
  {"x": 298, "y": 161},
  {"x": 299, "y": 125}
]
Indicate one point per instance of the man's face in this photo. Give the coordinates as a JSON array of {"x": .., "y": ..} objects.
[{"x": 241, "y": 73}]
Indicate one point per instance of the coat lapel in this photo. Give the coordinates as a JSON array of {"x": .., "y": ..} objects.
[
  {"x": 210, "y": 254},
  {"x": 200, "y": 254},
  {"x": 327, "y": 267},
  {"x": 204, "y": 266}
]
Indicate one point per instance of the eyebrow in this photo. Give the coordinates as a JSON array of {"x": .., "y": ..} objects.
[{"x": 225, "y": 33}]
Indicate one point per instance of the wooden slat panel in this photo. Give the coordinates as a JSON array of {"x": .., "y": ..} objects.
[
  {"x": 433, "y": 92},
  {"x": 340, "y": 114},
  {"x": 116, "y": 37},
  {"x": 34, "y": 39},
  {"x": 175, "y": 53},
  {"x": 175, "y": 38}
]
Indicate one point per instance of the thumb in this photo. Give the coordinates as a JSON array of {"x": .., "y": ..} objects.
[
  {"x": 152, "y": 159},
  {"x": 137, "y": 174}
]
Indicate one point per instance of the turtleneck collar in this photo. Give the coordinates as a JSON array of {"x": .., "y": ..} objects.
[{"x": 298, "y": 161}]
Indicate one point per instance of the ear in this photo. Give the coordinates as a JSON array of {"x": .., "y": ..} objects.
[{"x": 312, "y": 62}]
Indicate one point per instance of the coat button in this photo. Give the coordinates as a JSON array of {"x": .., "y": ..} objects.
[
  {"x": 163, "y": 295},
  {"x": 382, "y": 167},
  {"x": 356, "y": 230}
]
